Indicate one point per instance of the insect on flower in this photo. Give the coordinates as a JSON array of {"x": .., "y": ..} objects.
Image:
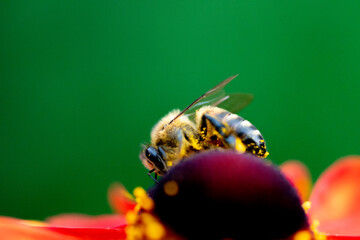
[{"x": 207, "y": 123}]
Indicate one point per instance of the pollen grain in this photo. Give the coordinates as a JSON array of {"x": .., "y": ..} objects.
[{"x": 171, "y": 188}]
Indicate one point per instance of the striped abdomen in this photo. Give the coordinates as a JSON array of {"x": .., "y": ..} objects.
[{"x": 248, "y": 133}]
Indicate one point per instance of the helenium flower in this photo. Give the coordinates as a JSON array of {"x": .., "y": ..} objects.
[{"x": 220, "y": 195}]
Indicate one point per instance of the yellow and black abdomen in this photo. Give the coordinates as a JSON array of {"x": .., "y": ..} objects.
[
  {"x": 249, "y": 135},
  {"x": 220, "y": 128}
]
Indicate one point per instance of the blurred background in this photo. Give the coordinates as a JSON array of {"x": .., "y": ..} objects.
[{"x": 83, "y": 82}]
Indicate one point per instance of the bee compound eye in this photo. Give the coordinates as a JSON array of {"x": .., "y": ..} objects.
[
  {"x": 151, "y": 153},
  {"x": 154, "y": 157}
]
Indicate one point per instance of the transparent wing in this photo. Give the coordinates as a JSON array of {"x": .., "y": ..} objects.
[
  {"x": 234, "y": 102},
  {"x": 212, "y": 100},
  {"x": 214, "y": 95}
]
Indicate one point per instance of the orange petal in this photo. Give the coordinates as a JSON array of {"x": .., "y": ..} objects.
[
  {"x": 298, "y": 174},
  {"x": 336, "y": 198},
  {"x": 120, "y": 200},
  {"x": 12, "y": 228},
  {"x": 86, "y": 221}
]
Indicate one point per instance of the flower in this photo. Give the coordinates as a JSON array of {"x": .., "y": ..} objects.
[
  {"x": 239, "y": 191},
  {"x": 335, "y": 199},
  {"x": 220, "y": 195},
  {"x": 74, "y": 226},
  {"x": 226, "y": 195}
]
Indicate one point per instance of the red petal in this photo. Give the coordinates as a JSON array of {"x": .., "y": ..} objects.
[
  {"x": 11, "y": 228},
  {"x": 94, "y": 233},
  {"x": 298, "y": 174},
  {"x": 120, "y": 199},
  {"x": 336, "y": 198},
  {"x": 86, "y": 221},
  {"x": 340, "y": 237}
]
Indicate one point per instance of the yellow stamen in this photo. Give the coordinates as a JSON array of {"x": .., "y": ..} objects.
[
  {"x": 139, "y": 192},
  {"x": 155, "y": 231},
  {"x": 306, "y": 206},
  {"x": 133, "y": 232},
  {"x": 142, "y": 199},
  {"x": 169, "y": 163},
  {"x": 146, "y": 226},
  {"x": 142, "y": 225},
  {"x": 315, "y": 224},
  {"x": 131, "y": 217},
  {"x": 314, "y": 228},
  {"x": 302, "y": 235},
  {"x": 153, "y": 228}
]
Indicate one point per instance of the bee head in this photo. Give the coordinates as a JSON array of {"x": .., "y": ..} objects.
[{"x": 155, "y": 159}]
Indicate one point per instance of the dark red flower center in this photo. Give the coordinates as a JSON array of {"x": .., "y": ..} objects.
[{"x": 224, "y": 194}]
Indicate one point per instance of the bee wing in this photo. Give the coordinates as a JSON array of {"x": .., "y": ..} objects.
[
  {"x": 234, "y": 102},
  {"x": 211, "y": 100},
  {"x": 213, "y": 93}
]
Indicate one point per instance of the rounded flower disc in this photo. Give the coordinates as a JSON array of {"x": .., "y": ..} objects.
[{"x": 224, "y": 194}]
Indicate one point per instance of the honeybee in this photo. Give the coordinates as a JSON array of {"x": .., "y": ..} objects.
[{"x": 207, "y": 123}]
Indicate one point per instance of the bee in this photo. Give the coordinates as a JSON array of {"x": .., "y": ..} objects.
[{"x": 207, "y": 123}]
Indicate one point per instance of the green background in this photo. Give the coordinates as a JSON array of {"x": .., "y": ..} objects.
[{"x": 83, "y": 82}]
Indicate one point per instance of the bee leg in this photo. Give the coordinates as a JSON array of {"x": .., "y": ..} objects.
[
  {"x": 235, "y": 143},
  {"x": 229, "y": 140},
  {"x": 219, "y": 127},
  {"x": 155, "y": 179}
]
